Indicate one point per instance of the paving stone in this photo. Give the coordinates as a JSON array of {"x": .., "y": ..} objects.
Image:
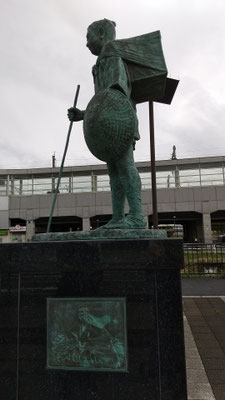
[
  {"x": 200, "y": 329},
  {"x": 211, "y": 353},
  {"x": 214, "y": 363},
  {"x": 217, "y": 329},
  {"x": 208, "y": 330},
  {"x": 194, "y": 312},
  {"x": 198, "y": 376},
  {"x": 189, "y": 342},
  {"x": 222, "y": 345},
  {"x": 194, "y": 363},
  {"x": 204, "y": 336},
  {"x": 219, "y": 391},
  {"x": 216, "y": 320},
  {"x": 216, "y": 375},
  {"x": 192, "y": 352},
  {"x": 208, "y": 344},
  {"x": 200, "y": 391},
  {"x": 196, "y": 321},
  {"x": 219, "y": 336}
]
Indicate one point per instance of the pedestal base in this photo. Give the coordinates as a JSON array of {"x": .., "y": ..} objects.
[{"x": 144, "y": 273}]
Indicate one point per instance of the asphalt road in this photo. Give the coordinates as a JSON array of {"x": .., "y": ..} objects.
[{"x": 203, "y": 287}]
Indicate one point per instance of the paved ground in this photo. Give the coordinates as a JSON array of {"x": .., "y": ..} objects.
[{"x": 204, "y": 325}]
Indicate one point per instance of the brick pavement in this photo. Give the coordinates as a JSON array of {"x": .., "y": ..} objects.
[{"x": 205, "y": 328}]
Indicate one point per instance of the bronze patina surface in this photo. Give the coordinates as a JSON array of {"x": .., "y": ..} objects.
[
  {"x": 87, "y": 334},
  {"x": 133, "y": 68},
  {"x": 101, "y": 234},
  {"x": 109, "y": 125}
]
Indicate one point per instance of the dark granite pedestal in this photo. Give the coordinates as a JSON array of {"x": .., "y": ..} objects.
[{"x": 144, "y": 273}]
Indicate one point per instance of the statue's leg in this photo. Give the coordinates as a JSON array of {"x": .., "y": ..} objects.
[
  {"x": 131, "y": 182},
  {"x": 118, "y": 198},
  {"x": 125, "y": 183},
  {"x": 118, "y": 194}
]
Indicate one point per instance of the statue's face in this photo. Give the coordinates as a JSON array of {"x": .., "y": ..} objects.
[
  {"x": 95, "y": 41},
  {"x": 82, "y": 314}
]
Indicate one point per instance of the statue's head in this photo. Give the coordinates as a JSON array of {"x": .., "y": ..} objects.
[
  {"x": 99, "y": 33},
  {"x": 82, "y": 313}
]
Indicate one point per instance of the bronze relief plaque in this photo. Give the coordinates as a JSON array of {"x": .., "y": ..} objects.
[{"x": 87, "y": 334}]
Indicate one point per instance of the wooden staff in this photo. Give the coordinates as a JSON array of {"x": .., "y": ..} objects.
[{"x": 62, "y": 164}]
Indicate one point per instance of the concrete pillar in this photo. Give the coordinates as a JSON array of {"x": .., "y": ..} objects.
[
  {"x": 177, "y": 177},
  {"x": 12, "y": 184},
  {"x": 30, "y": 229},
  {"x": 207, "y": 228},
  {"x": 8, "y": 186},
  {"x": 94, "y": 183},
  {"x": 146, "y": 220},
  {"x": 199, "y": 231},
  {"x": 21, "y": 187},
  {"x": 86, "y": 224}
]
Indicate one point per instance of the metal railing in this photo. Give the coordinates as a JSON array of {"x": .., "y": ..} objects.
[
  {"x": 201, "y": 259},
  {"x": 93, "y": 182}
]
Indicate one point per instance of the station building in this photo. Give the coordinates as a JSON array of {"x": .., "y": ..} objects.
[{"x": 190, "y": 193}]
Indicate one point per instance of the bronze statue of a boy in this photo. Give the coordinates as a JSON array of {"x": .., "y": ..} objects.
[{"x": 110, "y": 121}]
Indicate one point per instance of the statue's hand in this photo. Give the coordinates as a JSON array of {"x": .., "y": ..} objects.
[{"x": 74, "y": 114}]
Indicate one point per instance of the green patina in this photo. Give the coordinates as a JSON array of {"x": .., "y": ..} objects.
[
  {"x": 127, "y": 72},
  {"x": 87, "y": 334},
  {"x": 107, "y": 234}
]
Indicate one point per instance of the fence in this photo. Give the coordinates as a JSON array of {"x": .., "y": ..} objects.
[
  {"x": 204, "y": 259},
  {"x": 168, "y": 176}
]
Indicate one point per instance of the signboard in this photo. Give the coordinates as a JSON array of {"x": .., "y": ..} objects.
[
  {"x": 17, "y": 229},
  {"x": 87, "y": 334}
]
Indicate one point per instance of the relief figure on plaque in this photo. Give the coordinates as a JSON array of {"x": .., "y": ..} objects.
[
  {"x": 86, "y": 336},
  {"x": 94, "y": 344}
]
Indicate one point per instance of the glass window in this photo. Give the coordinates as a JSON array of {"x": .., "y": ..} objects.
[
  {"x": 65, "y": 184},
  {"x": 212, "y": 176},
  {"x": 3, "y": 186},
  {"x": 81, "y": 184},
  {"x": 145, "y": 180},
  {"x": 103, "y": 183},
  {"x": 164, "y": 179},
  {"x": 26, "y": 187},
  {"x": 189, "y": 177},
  {"x": 42, "y": 185},
  {"x": 16, "y": 186}
]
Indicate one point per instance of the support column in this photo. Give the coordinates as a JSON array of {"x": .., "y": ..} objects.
[
  {"x": 30, "y": 229},
  {"x": 86, "y": 224},
  {"x": 146, "y": 220},
  {"x": 207, "y": 228},
  {"x": 199, "y": 231},
  {"x": 94, "y": 182}
]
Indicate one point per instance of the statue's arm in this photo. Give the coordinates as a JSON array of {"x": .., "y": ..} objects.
[
  {"x": 120, "y": 77},
  {"x": 113, "y": 74},
  {"x": 74, "y": 114}
]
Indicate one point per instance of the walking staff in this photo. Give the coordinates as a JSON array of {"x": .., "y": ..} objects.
[{"x": 62, "y": 164}]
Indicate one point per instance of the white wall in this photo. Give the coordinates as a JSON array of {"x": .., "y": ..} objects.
[{"x": 4, "y": 212}]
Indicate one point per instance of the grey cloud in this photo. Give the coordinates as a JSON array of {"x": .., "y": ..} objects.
[{"x": 44, "y": 57}]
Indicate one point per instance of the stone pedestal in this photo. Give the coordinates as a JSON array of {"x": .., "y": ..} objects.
[{"x": 144, "y": 273}]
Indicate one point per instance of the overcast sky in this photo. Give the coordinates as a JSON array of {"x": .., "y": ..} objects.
[{"x": 44, "y": 57}]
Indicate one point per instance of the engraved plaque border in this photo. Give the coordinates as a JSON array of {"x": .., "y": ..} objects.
[{"x": 96, "y": 340}]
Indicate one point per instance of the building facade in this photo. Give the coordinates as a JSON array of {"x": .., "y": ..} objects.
[{"x": 190, "y": 192}]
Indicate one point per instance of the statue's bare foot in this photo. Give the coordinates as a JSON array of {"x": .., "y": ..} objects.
[
  {"x": 129, "y": 222},
  {"x": 112, "y": 224},
  {"x": 134, "y": 222}
]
